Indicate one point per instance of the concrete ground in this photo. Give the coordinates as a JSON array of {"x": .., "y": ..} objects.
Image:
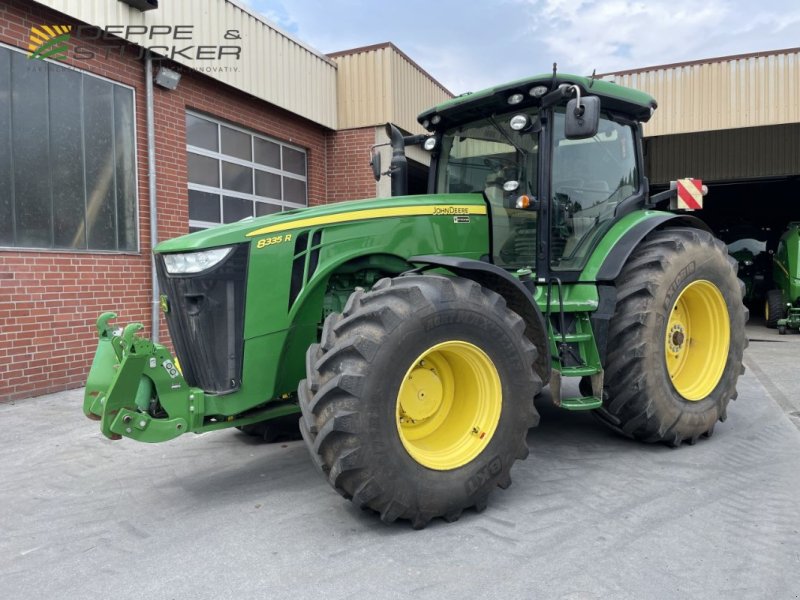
[{"x": 590, "y": 515}]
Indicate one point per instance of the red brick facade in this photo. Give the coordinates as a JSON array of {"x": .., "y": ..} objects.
[
  {"x": 49, "y": 300},
  {"x": 348, "y": 173}
]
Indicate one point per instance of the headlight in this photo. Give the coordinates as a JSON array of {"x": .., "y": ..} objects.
[
  {"x": 518, "y": 122},
  {"x": 194, "y": 262},
  {"x": 510, "y": 186},
  {"x": 515, "y": 98},
  {"x": 538, "y": 91},
  {"x": 429, "y": 144}
]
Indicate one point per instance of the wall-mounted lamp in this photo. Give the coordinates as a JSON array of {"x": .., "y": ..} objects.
[
  {"x": 142, "y": 5},
  {"x": 167, "y": 78}
]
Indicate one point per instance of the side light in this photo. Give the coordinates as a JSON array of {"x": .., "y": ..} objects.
[
  {"x": 182, "y": 263},
  {"x": 523, "y": 202}
]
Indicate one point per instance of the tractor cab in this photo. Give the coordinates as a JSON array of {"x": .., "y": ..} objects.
[
  {"x": 503, "y": 157},
  {"x": 558, "y": 159}
]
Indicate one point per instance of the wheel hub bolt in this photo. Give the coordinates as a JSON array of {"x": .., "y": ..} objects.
[{"x": 677, "y": 337}]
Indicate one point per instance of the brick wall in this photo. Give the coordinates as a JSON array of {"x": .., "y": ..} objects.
[
  {"x": 49, "y": 300},
  {"x": 349, "y": 174}
]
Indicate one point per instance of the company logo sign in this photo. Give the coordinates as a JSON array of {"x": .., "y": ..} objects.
[
  {"x": 49, "y": 41},
  {"x": 174, "y": 42}
]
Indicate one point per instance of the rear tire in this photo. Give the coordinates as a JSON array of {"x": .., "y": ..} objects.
[
  {"x": 774, "y": 309},
  {"x": 670, "y": 372},
  {"x": 357, "y": 405}
]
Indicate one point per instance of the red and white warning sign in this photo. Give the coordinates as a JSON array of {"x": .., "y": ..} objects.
[{"x": 690, "y": 194}]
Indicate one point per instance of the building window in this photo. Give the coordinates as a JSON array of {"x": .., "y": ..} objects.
[
  {"x": 67, "y": 158},
  {"x": 235, "y": 173}
]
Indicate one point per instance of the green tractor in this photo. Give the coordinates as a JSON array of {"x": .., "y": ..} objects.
[
  {"x": 413, "y": 333},
  {"x": 782, "y": 308},
  {"x": 748, "y": 246}
]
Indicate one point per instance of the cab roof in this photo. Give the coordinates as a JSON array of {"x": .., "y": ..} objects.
[{"x": 633, "y": 103}]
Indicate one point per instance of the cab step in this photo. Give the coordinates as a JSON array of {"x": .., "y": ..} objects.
[
  {"x": 577, "y": 402},
  {"x": 581, "y": 403}
]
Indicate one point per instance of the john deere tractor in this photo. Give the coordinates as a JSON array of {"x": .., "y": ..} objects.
[
  {"x": 412, "y": 333},
  {"x": 783, "y": 303}
]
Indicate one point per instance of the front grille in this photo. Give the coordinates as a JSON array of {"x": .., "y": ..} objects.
[{"x": 206, "y": 321}]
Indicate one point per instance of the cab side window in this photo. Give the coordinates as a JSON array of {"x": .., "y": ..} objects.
[{"x": 590, "y": 178}]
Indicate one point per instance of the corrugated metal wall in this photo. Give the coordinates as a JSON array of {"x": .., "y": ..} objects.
[
  {"x": 718, "y": 94},
  {"x": 731, "y": 154},
  {"x": 364, "y": 88},
  {"x": 273, "y": 67},
  {"x": 412, "y": 92},
  {"x": 380, "y": 84}
]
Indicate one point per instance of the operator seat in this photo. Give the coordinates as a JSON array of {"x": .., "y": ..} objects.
[{"x": 588, "y": 207}]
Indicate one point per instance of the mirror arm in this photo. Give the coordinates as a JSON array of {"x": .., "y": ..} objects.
[
  {"x": 414, "y": 140},
  {"x": 554, "y": 97},
  {"x": 579, "y": 108},
  {"x": 661, "y": 196}
]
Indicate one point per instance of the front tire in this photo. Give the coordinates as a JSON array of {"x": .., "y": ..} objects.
[
  {"x": 419, "y": 397},
  {"x": 676, "y": 339}
]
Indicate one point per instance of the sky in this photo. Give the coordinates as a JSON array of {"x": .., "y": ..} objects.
[{"x": 468, "y": 46}]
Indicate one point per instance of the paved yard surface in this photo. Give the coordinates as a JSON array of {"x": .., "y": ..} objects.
[{"x": 590, "y": 515}]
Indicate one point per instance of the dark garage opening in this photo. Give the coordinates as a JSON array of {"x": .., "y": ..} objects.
[
  {"x": 768, "y": 205},
  {"x": 750, "y": 216}
]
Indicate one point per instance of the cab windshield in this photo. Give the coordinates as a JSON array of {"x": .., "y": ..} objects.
[{"x": 489, "y": 157}]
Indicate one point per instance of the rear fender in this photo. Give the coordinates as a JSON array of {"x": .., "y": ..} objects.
[
  {"x": 607, "y": 260},
  {"x": 608, "y": 263}
]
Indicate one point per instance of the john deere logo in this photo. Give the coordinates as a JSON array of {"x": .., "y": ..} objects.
[{"x": 49, "y": 41}]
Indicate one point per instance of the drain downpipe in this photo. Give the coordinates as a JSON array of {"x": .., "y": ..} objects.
[{"x": 151, "y": 181}]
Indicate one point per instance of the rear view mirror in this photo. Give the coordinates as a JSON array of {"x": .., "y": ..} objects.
[
  {"x": 375, "y": 163},
  {"x": 582, "y": 117}
]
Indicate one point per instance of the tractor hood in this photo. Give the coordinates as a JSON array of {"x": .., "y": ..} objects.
[{"x": 329, "y": 214}]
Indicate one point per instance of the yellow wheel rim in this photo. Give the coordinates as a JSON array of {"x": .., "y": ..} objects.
[
  {"x": 766, "y": 310},
  {"x": 697, "y": 340},
  {"x": 448, "y": 405}
]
